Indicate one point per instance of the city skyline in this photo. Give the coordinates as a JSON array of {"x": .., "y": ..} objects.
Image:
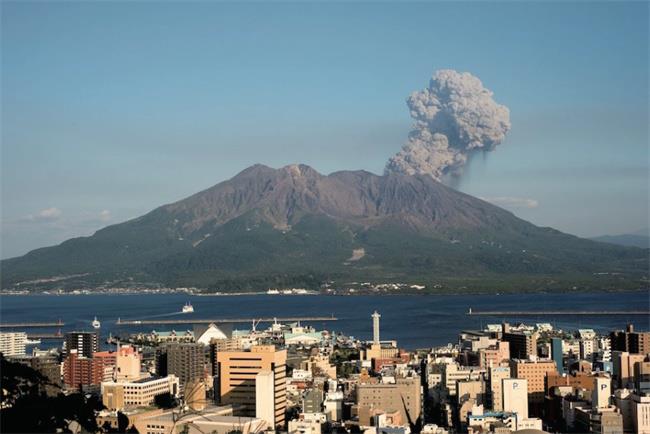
[{"x": 105, "y": 118}]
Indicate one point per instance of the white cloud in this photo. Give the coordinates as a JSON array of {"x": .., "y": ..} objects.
[
  {"x": 512, "y": 202},
  {"x": 45, "y": 215}
]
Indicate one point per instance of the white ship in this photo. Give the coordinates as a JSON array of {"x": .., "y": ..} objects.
[
  {"x": 96, "y": 324},
  {"x": 188, "y": 308}
]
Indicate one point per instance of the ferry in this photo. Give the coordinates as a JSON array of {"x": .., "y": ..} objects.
[
  {"x": 96, "y": 324},
  {"x": 188, "y": 308}
]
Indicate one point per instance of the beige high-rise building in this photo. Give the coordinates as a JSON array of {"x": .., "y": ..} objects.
[
  {"x": 496, "y": 377},
  {"x": 535, "y": 373},
  {"x": 404, "y": 397},
  {"x": 515, "y": 397},
  {"x": 127, "y": 364},
  {"x": 12, "y": 343},
  {"x": 238, "y": 370}
]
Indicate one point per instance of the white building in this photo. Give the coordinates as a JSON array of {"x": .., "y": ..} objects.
[
  {"x": 601, "y": 393},
  {"x": 265, "y": 397},
  {"x": 515, "y": 397},
  {"x": 13, "y": 343},
  {"x": 117, "y": 395},
  {"x": 605, "y": 349}
]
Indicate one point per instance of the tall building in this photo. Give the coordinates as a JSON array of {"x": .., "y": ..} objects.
[
  {"x": 623, "y": 364},
  {"x": 535, "y": 374},
  {"x": 515, "y": 397},
  {"x": 265, "y": 398},
  {"x": 86, "y": 343},
  {"x": 237, "y": 372},
  {"x": 79, "y": 371},
  {"x": 601, "y": 392},
  {"x": 12, "y": 343},
  {"x": 127, "y": 364},
  {"x": 523, "y": 344},
  {"x": 185, "y": 360},
  {"x": 630, "y": 341},
  {"x": 557, "y": 353},
  {"x": 496, "y": 376}
]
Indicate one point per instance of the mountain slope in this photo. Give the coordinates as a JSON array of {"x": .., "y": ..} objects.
[{"x": 294, "y": 226}]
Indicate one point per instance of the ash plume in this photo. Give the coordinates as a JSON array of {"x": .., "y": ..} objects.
[{"x": 453, "y": 118}]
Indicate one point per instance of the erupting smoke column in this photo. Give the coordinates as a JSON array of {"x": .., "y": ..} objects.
[{"x": 454, "y": 117}]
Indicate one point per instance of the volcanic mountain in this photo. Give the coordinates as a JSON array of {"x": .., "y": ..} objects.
[{"x": 295, "y": 227}]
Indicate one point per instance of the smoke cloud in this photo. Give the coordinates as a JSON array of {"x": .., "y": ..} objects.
[{"x": 453, "y": 118}]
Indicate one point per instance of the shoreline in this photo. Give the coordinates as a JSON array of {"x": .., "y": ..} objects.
[{"x": 354, "y": 294}]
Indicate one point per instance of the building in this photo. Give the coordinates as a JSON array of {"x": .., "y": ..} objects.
[
  {"x": 12, "y": 343},
  {"x": 213, "y": 420},
  {"x": 452, "y": 373},
  {"x": 403, "y": 396},
  {"x": 265, "y": 398},
  {"x": 623, "y": 369},
  {"x": 237, "y": 372},
  {"x": 312, "y": 401},
  {"x": 523, "y": 344},
  {"x": 86, "y": 343},
  {"x": 495, "y": 380},
  {"x": 117, "y": 395},
  {"x": 127, "y": 364},
  {"x": 630, "y": 341},
  {"x": 534, "y": 371},
  {"x": 494, "y": 355},
  {"x": 185, "y": 360},
  {"x": 601, "y": 392},
  {"x": 557, "y": 354},
  {"x": 80, "y": 372},
  {"x": 49, "y": 367},
  {"x": 515, "y": 397}
]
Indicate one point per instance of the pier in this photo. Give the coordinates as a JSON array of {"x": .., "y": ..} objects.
[
  {"x": 559, "y": 313},
  {"x": 222, "y": 320},
  {"x": 58, "y": 335},
  {"x": 59, "y": 323}
]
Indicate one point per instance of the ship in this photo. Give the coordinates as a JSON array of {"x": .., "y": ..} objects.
[
  {"x": 188, "y": 308},
  {"x": 96, "y": 324}
]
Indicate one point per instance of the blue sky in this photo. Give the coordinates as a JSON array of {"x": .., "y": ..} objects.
[{"x": 110, "y": 109}]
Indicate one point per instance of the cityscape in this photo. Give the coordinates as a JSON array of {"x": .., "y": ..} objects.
[{"x": 291, "y": 377}]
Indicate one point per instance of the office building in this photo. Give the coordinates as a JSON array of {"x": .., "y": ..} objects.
[
  {"x": 623, "y": 367},
  {"x": 403, "y": 396},
  {"x": 85, "y": 343},
  {"x": 535, "y": 374},
  {"x": 80, "y": 372},
  {"x": 185, "y": 360},
  {"x": 557, "y": 354},
  {"x": 630, "y": 341},
  {"x": 523, "y": 344},
  {"x": 117, "y": 395},
  {"x": 515, "y": 397},
  {"x": 495, "y": 380},
  {"x": 12, "y": 343},
  {"x": 237, "y": 372}
]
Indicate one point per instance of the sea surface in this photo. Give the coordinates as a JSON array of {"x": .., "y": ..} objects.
[{"x": 414, "y": 321}]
